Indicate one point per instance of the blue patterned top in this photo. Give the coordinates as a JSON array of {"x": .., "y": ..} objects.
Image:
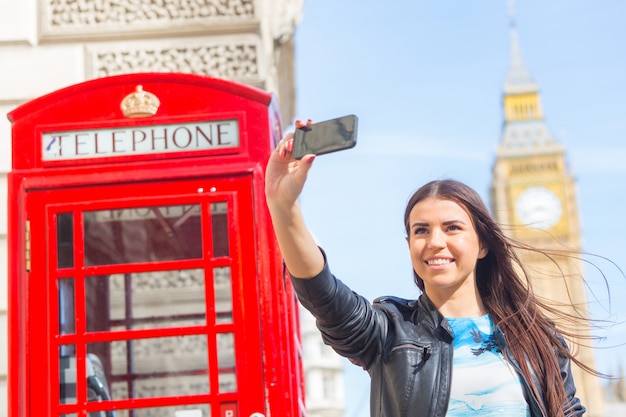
[{"x": 483, "y": 383}]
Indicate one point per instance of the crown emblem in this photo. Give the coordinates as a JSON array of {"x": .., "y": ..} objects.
[{"x": 140, "y": 104}]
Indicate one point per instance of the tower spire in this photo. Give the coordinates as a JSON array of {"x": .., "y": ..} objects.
[
  {"x": 524, "y": 129},
  {"x": 519, "y": 79}
]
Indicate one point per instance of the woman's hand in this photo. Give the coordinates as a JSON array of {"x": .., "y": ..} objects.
[{"x": 285, "y": 176}]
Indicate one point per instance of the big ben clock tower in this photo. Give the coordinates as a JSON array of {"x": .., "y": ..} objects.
[{"x": 533, "y": 195}]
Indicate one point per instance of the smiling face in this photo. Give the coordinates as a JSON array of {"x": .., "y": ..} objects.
[{"x": 444, "y": 248}]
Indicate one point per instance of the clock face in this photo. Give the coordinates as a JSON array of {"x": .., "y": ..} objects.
[{"x": 538, "y": 208}]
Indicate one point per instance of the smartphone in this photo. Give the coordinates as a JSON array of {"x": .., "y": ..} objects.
[{"x": 325, "y": 137}]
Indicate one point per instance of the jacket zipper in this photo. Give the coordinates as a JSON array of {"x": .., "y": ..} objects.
[{"x": 425, "y": 349}]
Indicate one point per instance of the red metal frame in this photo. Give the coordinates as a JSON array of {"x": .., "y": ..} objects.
[
  {"x": 270, "y": 378},
  {"x": 249, "y": 366}
]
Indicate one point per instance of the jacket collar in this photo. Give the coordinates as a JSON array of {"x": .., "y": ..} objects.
[{"x": 434, "y": 317}]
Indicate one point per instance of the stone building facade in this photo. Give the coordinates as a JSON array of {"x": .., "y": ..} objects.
[{"x": 46, "y": 45}]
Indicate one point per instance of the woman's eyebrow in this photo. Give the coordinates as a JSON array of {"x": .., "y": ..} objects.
[
  {"x": 445, "y": 223},
  {"x": 453, "y": 221}
]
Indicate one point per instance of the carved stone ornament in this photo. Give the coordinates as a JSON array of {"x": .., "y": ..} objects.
[
  {"x": 106, "y": 13},
  {"x": 237, "y": 59},
  {"x": 140, "y": 104}
]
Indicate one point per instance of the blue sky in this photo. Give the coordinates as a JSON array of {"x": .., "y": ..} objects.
[{"x": 426, "y": 79}]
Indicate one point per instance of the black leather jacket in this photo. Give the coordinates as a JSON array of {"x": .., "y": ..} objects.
[{"x": 405, "y": 345}]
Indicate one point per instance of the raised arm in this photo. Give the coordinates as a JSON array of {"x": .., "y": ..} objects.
[{"x": 284, "y": 181}]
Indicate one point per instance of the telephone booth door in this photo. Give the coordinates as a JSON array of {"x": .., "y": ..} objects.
[
  {"x": 147, "y": 282},
  {"x": 145, "y": 298}
]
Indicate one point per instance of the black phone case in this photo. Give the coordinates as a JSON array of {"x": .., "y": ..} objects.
[{"x": 326, "y": 137}]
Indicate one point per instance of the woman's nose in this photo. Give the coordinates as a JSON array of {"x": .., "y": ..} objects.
[{"x": 437, "y": 239}]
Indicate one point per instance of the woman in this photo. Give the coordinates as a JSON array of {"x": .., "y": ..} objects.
[{"x": 474, "y": 343}]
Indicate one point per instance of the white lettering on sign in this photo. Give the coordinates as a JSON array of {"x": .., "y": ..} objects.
[{"x": 140, "y": 140}]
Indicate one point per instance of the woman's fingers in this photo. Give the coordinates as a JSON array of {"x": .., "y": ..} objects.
[
  {"x": 285, "y": 146},
  {"x": 288, "y": 145},
  {"x": 303, "y": 125}
]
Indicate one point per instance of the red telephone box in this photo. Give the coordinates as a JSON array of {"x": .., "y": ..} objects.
[{"x": 144, "y": 278}]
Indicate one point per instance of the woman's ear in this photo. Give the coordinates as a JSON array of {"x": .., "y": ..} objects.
[{"x": 482, "y": 252}]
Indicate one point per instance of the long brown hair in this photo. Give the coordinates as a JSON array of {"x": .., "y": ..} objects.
[{"x": 507, "y": 294}]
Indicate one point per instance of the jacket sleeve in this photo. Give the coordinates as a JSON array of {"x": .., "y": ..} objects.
[
  {"x": 347, "y": 321},
  {"x": 574, "y": 406}
]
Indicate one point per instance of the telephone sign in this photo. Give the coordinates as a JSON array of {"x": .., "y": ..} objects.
[
  {"x": 140, "y": 140},
  {"x": 145, "y": 279}
]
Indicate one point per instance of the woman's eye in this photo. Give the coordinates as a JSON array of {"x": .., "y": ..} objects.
[
  {"x": 419, "y": 230},
  {"x": 453, "y": 227}
]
